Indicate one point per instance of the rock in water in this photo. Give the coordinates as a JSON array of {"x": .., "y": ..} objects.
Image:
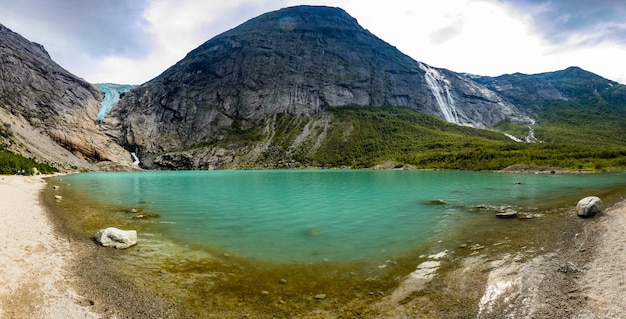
[
  {"x": 116, "y": 238},
  {"x": 589, "y": 206},
  {"x": 507, "y": 213}
]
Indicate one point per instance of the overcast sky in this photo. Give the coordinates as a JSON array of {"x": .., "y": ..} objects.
[{"x": 132, "y": 41}]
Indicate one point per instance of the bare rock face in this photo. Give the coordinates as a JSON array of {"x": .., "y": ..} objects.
[
  {"x": 589, "y": 206},
  {"x": 297, "y": 61},
  {"x": 49, "y": 112}
]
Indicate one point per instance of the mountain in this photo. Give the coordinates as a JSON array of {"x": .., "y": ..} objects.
[
  {"x": 304, "y": 87},
  {"x": 534, "y": 92},
  {"x": 301, "y": 62},
  {"x": 571, "y": 105},
  {"x": 49, "y": 114}
]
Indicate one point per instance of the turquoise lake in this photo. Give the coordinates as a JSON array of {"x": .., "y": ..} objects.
[{"x": 308, "y": 216}]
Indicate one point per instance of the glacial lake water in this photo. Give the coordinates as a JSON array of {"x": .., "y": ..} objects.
[{"x": 308, "y": 216}]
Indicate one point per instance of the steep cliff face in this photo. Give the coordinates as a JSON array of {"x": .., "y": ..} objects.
[
  {"x": 297, "y": 61},
  {"x": 48, "y": 112}
]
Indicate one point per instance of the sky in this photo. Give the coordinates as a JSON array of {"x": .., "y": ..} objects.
[{"x": 133, "y": 41}]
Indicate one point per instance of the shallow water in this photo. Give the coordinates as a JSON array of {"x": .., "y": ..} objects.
[
  {"x": 305, "y": 216},
  {"x": 344, "y": 233}
]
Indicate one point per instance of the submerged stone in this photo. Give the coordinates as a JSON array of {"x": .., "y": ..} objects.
[
  {"x": 508, "y": 213},
  {"x": 320, "y": 297},
  {"x": 436, "y": 202},
  {"x": 146, "y": 216},
  {"x": 116, "y": 238}
]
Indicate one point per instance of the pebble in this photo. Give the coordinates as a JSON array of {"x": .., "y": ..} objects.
[
  {"x": 283, "y": 281},
  {"x": 320, "y": 297}
]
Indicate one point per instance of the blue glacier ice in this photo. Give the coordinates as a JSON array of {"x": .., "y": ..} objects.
[{"x": 112, "y": 93}]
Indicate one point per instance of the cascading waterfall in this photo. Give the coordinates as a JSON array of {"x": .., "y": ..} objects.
[
  {"x": 112, "y": 94},
  {"x": 135, "y": 158},
  {"x": 441, "y": 90},
  {"x": 530, "y": 138}
]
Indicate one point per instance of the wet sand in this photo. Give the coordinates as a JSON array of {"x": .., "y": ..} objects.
[{"x": 46, "y": 273}]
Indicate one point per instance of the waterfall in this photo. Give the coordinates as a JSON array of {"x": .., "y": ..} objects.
[
  {"x": 530, "y": 138},
  {"x": 513, "y": 137},
  {"x": 531, "y": 135},
  {"x": 441, "y": 90},
  {"x": 112, "y": 95},
  {"x": 135, "y": 158}
]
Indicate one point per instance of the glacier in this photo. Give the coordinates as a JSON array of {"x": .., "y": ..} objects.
[{"x": 112, "y": 94}]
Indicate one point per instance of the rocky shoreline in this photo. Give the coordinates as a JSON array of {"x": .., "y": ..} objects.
[{"x": 580, "y": 277}]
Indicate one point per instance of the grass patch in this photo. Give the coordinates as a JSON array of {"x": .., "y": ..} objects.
[{"x": 12, "y": 163}]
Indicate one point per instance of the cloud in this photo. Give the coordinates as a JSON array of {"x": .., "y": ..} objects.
[
  {"x": 80, "y": 34},
  {"x": 447, "y": 33},
  {"x": 132, "y": 41},
  {"x": 577, "y": 23},
  {"x": 97, "y": 28},
  {"x": 175, "y": 28}
]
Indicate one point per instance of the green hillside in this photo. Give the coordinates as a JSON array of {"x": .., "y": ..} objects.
[{"x": 365, "y": 137}]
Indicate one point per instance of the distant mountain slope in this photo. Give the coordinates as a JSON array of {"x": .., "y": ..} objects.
[
  {"x": 48, "y": 113},
  {"x": 298, "y": 61},
  {"x": 535, "y": 91},
  {"x": 571, "y": 105}
]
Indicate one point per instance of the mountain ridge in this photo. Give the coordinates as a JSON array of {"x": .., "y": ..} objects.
[
  {"x": 307, "y": 87},
  {"x": 299, "y": 61}
]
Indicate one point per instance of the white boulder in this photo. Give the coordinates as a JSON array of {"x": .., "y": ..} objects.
[
  {"x": 116, "y": 238},
  {"x": 589, "y": 206}
]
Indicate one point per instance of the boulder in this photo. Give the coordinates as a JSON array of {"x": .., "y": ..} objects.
[
  {"x": 589, "y": 206},
  {"x": 116, "y": 238}
]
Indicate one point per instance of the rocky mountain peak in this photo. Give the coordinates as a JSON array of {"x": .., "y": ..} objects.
[
  {"x": 297, "y": 61},
  {"x": 300, "y": 18},
  {"x": 12, "y": 39}
]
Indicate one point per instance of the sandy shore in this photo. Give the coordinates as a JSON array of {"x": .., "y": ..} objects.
[
  {"x": 35, "y": 281},
  {"x": 583, "y": 278}
]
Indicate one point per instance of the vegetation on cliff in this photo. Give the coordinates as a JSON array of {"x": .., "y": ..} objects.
[{"x": 360, "y": 137}]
